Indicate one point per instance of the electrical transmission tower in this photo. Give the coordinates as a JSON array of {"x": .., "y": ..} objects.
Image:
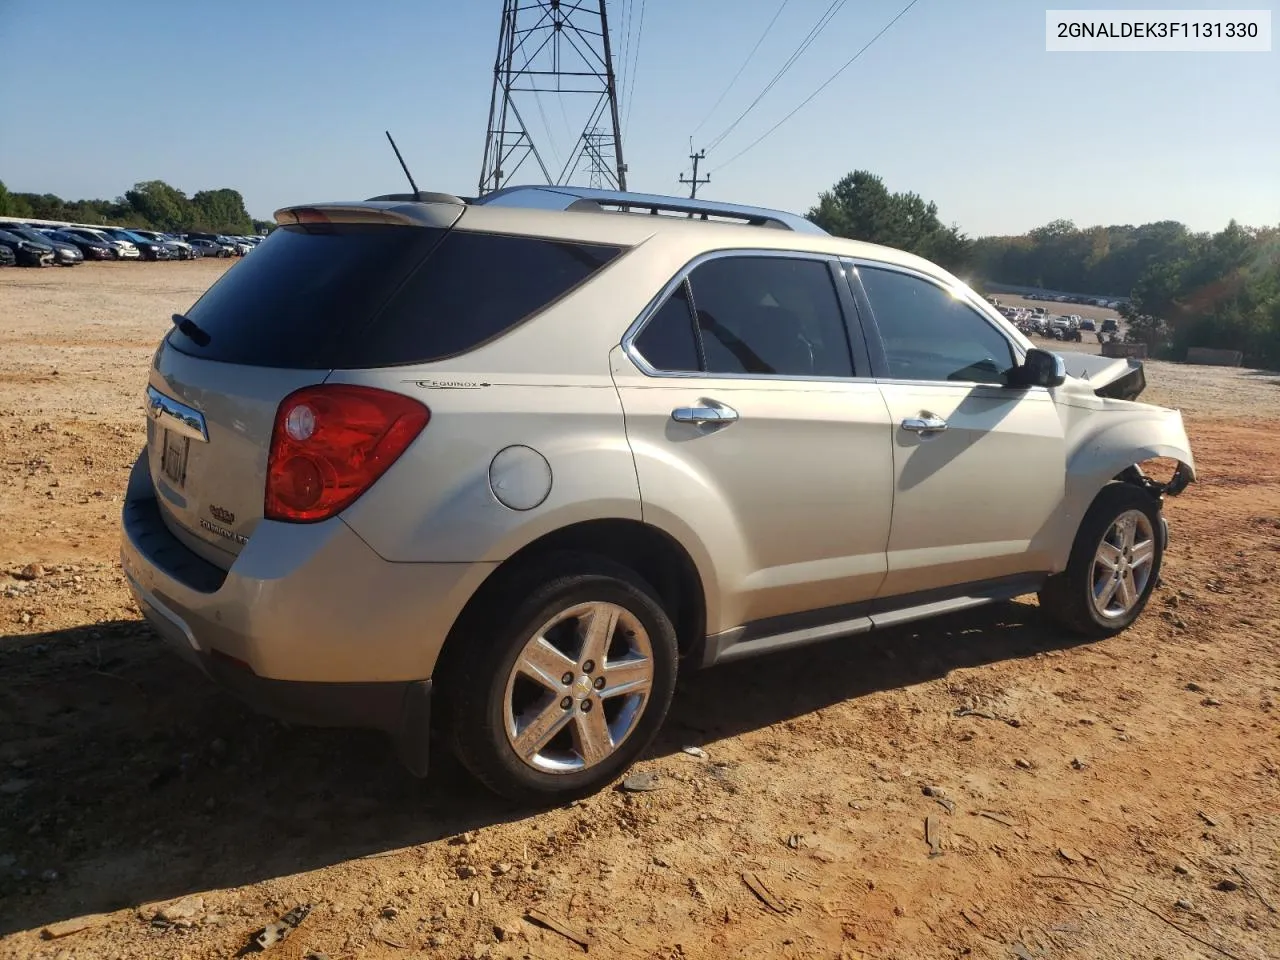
[
  {"x": 593, "y": 158},
  {"x": 558, "y": 47}
]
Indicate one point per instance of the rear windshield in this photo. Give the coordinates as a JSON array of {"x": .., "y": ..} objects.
[{"x": 323, "y": 296}]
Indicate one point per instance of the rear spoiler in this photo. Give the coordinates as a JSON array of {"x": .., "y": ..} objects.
[{"x": 441, "y": 213}]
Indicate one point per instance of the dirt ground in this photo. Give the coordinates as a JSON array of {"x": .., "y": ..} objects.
[{"x": 1104, "y": 800}]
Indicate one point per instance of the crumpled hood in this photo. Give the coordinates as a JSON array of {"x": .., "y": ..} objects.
[{"x": 1121, "y": 378}]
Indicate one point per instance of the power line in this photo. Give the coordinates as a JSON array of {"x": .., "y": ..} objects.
[
  {"x": 848, "y": 63},
  {"x": 810, "y": 37},
  {"x": 726, "y": 90},
  {"x": 624, "y": 35},
  {"x": 635, "y": 65}
]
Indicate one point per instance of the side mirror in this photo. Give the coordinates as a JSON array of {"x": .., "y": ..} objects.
[{"x": 1039, "y": 368}]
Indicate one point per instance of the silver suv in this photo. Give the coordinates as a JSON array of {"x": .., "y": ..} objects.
[{"x": 501, "y": 466}]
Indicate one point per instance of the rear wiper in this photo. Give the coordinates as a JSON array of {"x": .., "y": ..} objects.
[{"x": 189, "y": 327}]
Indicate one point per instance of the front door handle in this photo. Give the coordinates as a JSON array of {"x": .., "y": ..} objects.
[
  {"x": 929, "y": 424},
  {"x": 707, "y": 411}
]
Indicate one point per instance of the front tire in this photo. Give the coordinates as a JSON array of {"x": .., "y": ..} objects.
[
  {"x": 563, "y": 682},
  {"x": 1114, "y": 566}
]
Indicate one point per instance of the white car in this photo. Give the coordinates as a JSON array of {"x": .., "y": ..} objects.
[{"x": 124, "y": 249}]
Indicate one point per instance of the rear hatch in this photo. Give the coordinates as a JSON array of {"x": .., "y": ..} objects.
[
  {"x": 358, "y": 287},
  {"x": 273, "y": 323}
]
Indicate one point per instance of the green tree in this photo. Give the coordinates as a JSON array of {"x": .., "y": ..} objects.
[
  {"x": 221, "y": 210},
  {"x": 161, "y": 205},
  {"x": 1223, "y": 291},
  {"x": 861, "y": 207}
]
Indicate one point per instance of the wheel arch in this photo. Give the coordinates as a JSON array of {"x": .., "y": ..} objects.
[
  {"x": 1110, "y": 445},
  {"x": 654, "y": 554}
]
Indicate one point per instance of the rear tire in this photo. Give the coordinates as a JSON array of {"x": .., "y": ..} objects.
[
  {"x": 515, "y": 723},
  {"x": 1114, "y": 566}
]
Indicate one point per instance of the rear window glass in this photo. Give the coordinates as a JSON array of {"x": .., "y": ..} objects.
[
  {"x": 378, "y": 295},
  {"x": 292, "y": 303}
]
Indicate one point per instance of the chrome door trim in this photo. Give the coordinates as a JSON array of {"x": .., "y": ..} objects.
[
  {"x": 172, "y": 415},
  {"x": 654, "y": 305}
]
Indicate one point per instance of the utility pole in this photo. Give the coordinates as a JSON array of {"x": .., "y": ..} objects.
[
  {"x": 693, "y": 181},
  {"x": 557, "y": 49}
]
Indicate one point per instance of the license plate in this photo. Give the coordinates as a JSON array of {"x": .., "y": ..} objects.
[{"x": 174, "y": 459}]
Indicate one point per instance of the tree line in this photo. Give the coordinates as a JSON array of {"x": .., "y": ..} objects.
[
  {"x": 151, "y": 205},
  {"x": 1185, "y": 288}
]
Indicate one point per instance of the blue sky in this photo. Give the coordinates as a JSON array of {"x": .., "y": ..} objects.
[{"x": 286, "y": 101}]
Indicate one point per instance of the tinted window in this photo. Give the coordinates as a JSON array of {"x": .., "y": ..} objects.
[
  {"x": 668, "y": 341},
  {"x": 292, "y": 304},
  {"x": 322, "y": 296},
  {"x": 770, "y": 315},
  {"x": 474, "y": 287},
  {"x": 930, "y": 335}
]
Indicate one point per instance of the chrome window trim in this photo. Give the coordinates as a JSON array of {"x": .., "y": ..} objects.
[
  {"x": 654, "y": 305},
  {"x": 961, "y": 292}
]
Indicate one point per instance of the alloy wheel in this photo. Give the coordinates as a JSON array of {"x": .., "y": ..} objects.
[
  {"x": 578, "y": 688},
  {"x": 1122, "y": 564}
]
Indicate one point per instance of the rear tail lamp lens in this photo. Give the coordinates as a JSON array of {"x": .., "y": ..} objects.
[{"x": 330, "y": 443}]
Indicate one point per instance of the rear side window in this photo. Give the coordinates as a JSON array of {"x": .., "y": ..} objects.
[
  {"x": 325, "y": 296},
  {"x": 474, "y": 287},
  {"x": 667, "y": 341}
]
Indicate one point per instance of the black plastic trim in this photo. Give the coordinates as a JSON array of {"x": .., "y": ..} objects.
[
  {"x": 829, "y": 623},
  {"x": 144, "y": 526}
]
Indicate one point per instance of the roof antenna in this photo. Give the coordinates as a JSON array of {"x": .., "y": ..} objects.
[{"x": 403, "y": 166}]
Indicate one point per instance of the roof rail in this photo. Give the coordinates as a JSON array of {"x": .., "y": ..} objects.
[{"x": 552, "y": 197}]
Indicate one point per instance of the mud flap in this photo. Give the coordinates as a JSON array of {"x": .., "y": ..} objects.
[{"x": 413, "y": 740}]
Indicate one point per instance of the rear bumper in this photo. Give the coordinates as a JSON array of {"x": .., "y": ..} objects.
[{"x": 308, "y": 624}]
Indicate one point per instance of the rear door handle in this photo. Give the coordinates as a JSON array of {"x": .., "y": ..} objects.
[
  {"x": 708, "y": 411},
  {"x": 924, "y": 424}
]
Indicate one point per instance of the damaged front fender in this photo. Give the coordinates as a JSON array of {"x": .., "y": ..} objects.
[
  {"x": 1110, "y": 444},
  {"x": 1121, "y": 439},
  {"x": 1183, "y": 476}
]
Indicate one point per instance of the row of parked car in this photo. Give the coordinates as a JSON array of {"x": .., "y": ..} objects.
[
  {"x": 41, "y": 245},
  {"x": 1067, "y": 327},
  {"x": 1076, "y": 298}
]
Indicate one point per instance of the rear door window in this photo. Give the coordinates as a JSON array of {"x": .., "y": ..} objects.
[
  {"x": 320, "y": 296},
  {"x": 763, "y": 315}
]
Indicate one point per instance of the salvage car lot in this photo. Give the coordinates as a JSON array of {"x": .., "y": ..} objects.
[{"x": 1148, "y": 765}]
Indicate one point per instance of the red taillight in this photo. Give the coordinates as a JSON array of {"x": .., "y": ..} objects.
[{"x": 330, "y": 443}]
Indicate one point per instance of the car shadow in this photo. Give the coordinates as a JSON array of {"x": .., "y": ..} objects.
[{"x": 126, "y": 778}]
